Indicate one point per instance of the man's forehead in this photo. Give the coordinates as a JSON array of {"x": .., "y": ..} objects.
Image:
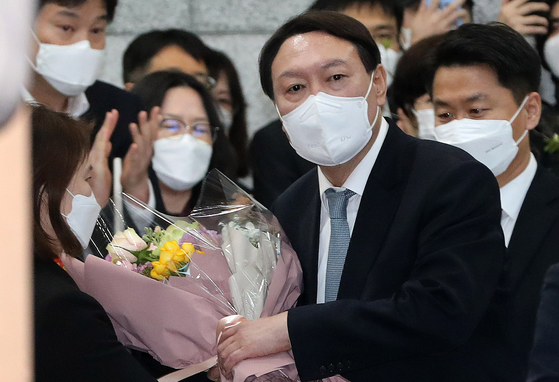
[
  {"x": 73, "y": 11},
  {"x": 313, "y": 48}
]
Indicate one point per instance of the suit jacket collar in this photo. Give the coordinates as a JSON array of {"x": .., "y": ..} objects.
[{"x": 539, "y": 212}]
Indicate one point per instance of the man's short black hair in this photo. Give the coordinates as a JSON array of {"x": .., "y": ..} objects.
[
  {"x": 144, "y": 47},
  {"x": 109, "y": 4},
  {"x": 413, "y": 74},
  {"x": 332, "y": 23},
  {"x": 414, "y": 4},
  {"x": 516, "y": 64},
  {"x": 390, "y": 7}
]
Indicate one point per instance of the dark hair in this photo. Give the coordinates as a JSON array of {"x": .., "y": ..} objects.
[
  {"x": 218, "y": 64},
  {"x": 152, "y": 89},
  {"x": 144, "y": 47},
  {"x": 60, "y": 145},
  {"x": 541, "y": 39},
  {"x": 516, "y": 64},
  {"x": 414, "y": 4},
  {"x": 413, "y": 73},
  {"x": 333, "y": 23},
  {"x": 109, "y": 4},
  {"x": 390, "y": 7}
]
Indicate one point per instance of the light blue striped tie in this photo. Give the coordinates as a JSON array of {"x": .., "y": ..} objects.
[{"x": 339, "y": 240}]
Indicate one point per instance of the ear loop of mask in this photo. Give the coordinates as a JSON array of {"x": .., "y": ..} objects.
[
  {"x": 39, "y": 45},
  {"x": 516, "y": 115},
  {"x": 73, "y": 196}
]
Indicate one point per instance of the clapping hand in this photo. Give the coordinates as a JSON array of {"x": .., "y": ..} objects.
[
  {"x": 431, "y": 20},
  {"x": 135, "y": 165},
  {"x": 518, "y": 14},
  {"x": 99, "y": 159}
]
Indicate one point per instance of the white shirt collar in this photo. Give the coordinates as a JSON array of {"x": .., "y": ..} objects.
[
  {"x": 514, "y": 192},
  {"x": 77, "y": 105},
  {"x": 357, "y": 180}
]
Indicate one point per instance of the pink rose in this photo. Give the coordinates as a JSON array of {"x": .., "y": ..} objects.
[{"x": 124, "y": 242}]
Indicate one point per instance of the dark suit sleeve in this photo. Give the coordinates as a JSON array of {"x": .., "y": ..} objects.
[
  {"x": 544, "y": 360},
  {"x": 75, "y": 341},
  {"x": 453, "y": 274}
]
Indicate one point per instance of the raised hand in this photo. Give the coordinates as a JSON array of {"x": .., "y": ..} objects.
[
  {"x": 135, "y": 165},
  {"x": 99, "y": 159},
  {"x": 430, "y": 21},
  {"x": 518, "y": 14}
]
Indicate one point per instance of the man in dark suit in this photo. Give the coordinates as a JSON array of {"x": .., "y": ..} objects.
[
  {"x": 399, "y": 239},
  {"x": 69, "y": 45},
  {"x": 485, "y": 97}
]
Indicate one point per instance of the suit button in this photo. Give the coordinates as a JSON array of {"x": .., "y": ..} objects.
[
  {"x": 322, "y": 370},
  {"x": 340, "y": 366},
  {"x": 331, "y": 368},
  {"x": 348, "y": 364}
]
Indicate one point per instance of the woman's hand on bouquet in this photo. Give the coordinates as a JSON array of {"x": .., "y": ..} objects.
[
  {"x": 99, "y": 159},
  {"x": 135, "y": 165},
  {"x": 243, "y": 339}
]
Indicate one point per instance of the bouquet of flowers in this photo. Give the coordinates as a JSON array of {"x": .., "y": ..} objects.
[{"x": 166, "y": 282}]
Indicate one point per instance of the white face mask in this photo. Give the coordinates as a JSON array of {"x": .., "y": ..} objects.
[
  {"x": 551, "y": 54},
  {"x": 226, "y": 119},
  {"x": 488, "y": 141},
  {"x": 70, "y": 69},
  {"x": 83, "y": 216},
  {"x": 389, "y": 59},
  {"x": 426, "y": 123},
  {"x": 328, "y": 130},
  {"x": 181, "y": 163}
]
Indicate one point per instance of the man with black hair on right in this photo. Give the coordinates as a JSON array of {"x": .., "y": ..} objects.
[{"x": 484, "y": 92}]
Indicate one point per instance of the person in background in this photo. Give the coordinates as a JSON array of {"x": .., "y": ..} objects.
[
  {"x": 485, "y": 94},
  {"x": 162, "y": 50},
  {"x": 409, "y": 97},
  {"x": 425, "y": 18},
  {"x": 383, "y": 19},
  {"x": 544, "y": 358},
  {"x": 74, "y": 338},
  {"x": 548, "y": 47},
  {"x": 229, "y": 96},
  {"x": 69, "y": 38},
  {"x": 399, "y": 238},
  {"x": 178, "y": 150}
]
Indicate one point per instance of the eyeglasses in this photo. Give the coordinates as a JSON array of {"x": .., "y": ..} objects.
[{"x": 174, "y": 128}]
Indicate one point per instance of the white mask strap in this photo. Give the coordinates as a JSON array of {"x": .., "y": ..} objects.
[
  {"x": 370, "y": 85},
  {"x": 70, "y": 192},
  {"x": 277, "y": 110},
  {"x": 519, "y": 109},
  {"x": 375, "y": 121},
  {"x": 522, "y": 137}
]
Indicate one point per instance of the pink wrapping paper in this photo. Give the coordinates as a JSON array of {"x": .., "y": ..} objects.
[{"x": 176, "y": 322}]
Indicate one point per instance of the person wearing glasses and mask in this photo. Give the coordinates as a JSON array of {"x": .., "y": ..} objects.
[{"x": 178, "y": 150}]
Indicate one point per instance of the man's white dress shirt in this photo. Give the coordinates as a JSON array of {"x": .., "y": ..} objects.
[
  {"x": 355, "y": 182},
  {"x": 512, "y": 197},
  {"x": 77, "y": 105}
]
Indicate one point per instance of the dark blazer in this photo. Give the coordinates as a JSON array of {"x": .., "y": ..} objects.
[
  {"x": 275, "y": 164},
  {"x": 104, "y": 97},
  {"x": 74, "y": 338},
  {"x": 505, "y": 337},
  {"x": 422, "y": 265},
  {"x": 544, "y": 361}
]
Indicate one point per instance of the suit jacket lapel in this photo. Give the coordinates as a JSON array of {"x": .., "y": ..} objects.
[
  {"x": 378, "y": 206},
  {"x": 310, "y": 229},
  {"x": 539, "y": 211}
]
